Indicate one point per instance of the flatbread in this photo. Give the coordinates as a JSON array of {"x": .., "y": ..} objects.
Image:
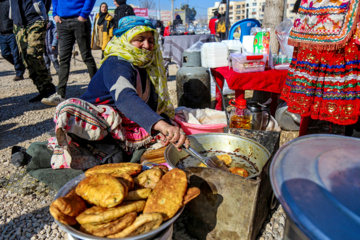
[
  {"x": 191, "y": 193},
  {"x": 168, "y": 195},
  {"x": 148, "y": 178},
  {"x": 102, "y": 190},
  {"x": 112, "y": 227},
  {"x": 139, "y": 194},
  {"x": 99, "y": 215},
  {"x": 65, "y": 209},
  {"x": 71, "y": 205},
  {"x": 115, "y": 169},
  {"x": 142, "y": 224}
]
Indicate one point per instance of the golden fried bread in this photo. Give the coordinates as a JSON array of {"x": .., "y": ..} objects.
[
  {"x": 142, "y": 224},
  {"x": 115, "y": 169},
  {"x": 128, "y": 180},
  {"x": 225, "y": 158},
  {"x": 239, "y": 171},
  {"x": 102, "y": 190},
  {"x": 191, "y": 193},
  {"x": 65, "y": 209},
  {"x": 71, "y": 205},
  {"x": 148, "y": 178},
  {"x": 98, "y": 215},
  {"x": 163, "y": 168},
  {"x": 138, "y": 194},
  {"x": 168, "y": 194},
  {"x": 61, "y": 217},
  {"x": 112, "y": 227}
]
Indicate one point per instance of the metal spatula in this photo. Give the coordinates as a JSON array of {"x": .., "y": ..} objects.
[{"x": 211, "y": 162}]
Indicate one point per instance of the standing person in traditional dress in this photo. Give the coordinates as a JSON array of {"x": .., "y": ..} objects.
[
  {"x": 323, "y": 81},
  {"x": 102, "y": 30}
]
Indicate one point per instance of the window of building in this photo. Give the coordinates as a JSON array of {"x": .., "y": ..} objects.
[
  {"x": 238, "y": 6},
  {"x": 243, "y": 5},
  {"x": 238, "y": 18},
  {"x": 247, "y": 4},
  {"x": 231, "y": 13},
  {"x": 261, "y": 15},
  {"x": 231, "y": 7},
  {"x": 254, "y": 4},
  {"x": 238, "y": 12}
]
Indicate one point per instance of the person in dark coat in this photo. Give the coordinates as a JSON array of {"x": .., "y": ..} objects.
[
  {"x": 122, "y": 10},
  {"x": 8, "y": 46},
  {"x": 30, "y": 19},
  {"x": 51, "y": 43}
]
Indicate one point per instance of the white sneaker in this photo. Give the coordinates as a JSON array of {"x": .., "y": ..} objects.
[{"x": 53, "y": 100}]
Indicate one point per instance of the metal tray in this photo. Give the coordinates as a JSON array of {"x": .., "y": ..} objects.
[{"x": 78, "y": 234}]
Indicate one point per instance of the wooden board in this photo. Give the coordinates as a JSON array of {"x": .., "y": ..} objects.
[{"x": 155, "y": 156}]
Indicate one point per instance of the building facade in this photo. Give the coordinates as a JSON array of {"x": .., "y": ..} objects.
[{"x": 239, "y": 10}]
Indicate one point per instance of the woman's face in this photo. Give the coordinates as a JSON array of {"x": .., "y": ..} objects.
[
  {"x": 103, "y": 8},
  {"x": 144, "y": 40}
]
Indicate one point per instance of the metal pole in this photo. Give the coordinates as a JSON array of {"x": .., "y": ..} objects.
[
  {"x": 227, "y": 23},
  {"x": 172, "y": 10},
  {"x": 159, "y": 12}
]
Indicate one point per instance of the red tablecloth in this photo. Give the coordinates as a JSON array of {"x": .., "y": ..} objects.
[{"x": 268, "y": 81}]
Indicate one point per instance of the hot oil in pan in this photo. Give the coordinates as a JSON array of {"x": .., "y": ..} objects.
[{"x": 237, "y": 161}]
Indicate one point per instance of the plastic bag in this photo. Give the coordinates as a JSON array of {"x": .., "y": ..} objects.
[
  {"x": 196, "y": 47},
  {"x": 282, "y": 32}
]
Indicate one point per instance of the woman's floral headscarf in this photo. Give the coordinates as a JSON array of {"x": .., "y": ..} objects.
[{"x": 152, "y": 61}]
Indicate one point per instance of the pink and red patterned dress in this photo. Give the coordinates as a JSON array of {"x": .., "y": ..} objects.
[{"x": 323, "y": 81}]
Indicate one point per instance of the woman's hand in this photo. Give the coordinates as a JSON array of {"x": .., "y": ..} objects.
[{"x": 173, "y": 134}]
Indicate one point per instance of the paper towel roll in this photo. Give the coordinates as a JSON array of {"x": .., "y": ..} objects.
[{"x": 248, "y": 43}]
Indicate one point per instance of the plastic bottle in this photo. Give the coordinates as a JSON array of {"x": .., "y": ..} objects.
[{"x": 240, "y": 115}]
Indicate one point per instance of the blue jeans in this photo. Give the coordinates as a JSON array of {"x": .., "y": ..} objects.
[{"x": 10, "y": 52}]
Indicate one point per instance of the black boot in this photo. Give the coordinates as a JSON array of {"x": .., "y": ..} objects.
[
  {"x": 19, "y": 157},
  {"x": 37, "y": 98}
]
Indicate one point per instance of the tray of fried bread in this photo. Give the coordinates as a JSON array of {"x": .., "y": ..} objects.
[{"x": 120, "y": 201}]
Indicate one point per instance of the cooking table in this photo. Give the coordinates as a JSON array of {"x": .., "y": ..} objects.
[{"x": 268, "y": 81}]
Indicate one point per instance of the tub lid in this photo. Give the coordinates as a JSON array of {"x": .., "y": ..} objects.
[{"x": 316, "y": 179}]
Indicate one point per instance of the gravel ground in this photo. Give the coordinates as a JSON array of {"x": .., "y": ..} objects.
[{"x": 24, "y": 212}]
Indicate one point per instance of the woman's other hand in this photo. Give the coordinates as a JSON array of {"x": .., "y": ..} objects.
[{"x": 173, "y": 134}]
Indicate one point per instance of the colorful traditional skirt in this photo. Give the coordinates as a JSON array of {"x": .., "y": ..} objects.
[
  {"x": 325, "y": 85},
  {"x": 93, "y": 123}
]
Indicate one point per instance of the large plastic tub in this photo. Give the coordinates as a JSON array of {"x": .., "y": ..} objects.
[{"x": 198, "y": 128}]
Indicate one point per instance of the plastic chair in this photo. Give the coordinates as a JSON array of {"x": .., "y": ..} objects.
[{"x": 245, "y": 26}]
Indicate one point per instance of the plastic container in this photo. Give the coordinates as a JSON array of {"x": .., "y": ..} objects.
[
  {"x": 244, "y": 63},
  {"x": 214, "y": 54},
  {"x": 197, "y": 128}
]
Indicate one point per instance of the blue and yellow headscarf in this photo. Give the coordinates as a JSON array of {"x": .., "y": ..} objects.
[{"x": 152, "y": 61}]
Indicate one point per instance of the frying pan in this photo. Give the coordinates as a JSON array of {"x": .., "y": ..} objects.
[{"x": 245, "y": 152}]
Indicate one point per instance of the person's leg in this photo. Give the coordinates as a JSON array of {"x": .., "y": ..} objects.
[
  {"x": 5, "y": 49},
  {"x": 47, "y": 61},
  {"x": 35, "y": 60},
  {"x": 19, "y": 66},
  {"x": 66, "y": 43},
  {"x": 55, "y": 61},
  {"x": 83, "y": 38}
]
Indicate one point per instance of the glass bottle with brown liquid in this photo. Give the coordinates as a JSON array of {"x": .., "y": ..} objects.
[{"x": 240, "y": 115}]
